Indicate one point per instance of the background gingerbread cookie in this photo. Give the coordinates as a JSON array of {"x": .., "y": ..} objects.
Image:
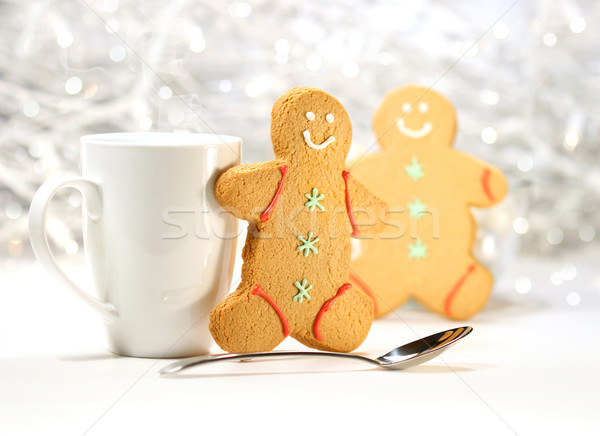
[
  {"x": 300, "y": 208},
  {"x": 429, "y": 187}
]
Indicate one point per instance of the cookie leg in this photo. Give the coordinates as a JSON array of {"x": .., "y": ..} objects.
[
  {"x": 386, "y": 294},
  {"x": 358, "y": 282},
  {"x": 343, "y": 321},
  {"x": 248, "y": 321},
  {"x": 459, "y": 291},
  {"x": 380, "y": 272}
]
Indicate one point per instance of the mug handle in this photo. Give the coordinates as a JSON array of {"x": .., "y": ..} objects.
[{"x": 39, "y": 241}]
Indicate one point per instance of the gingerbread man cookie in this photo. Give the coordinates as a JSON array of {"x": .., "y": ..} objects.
[
  {"x": 429, "y": 187},
  {"x": 301, "y": 208}
]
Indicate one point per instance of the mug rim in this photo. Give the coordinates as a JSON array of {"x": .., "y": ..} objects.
[{"x": 159, "y": 139}]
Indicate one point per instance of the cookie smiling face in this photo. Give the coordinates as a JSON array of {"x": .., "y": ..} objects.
[
  {"x": 308, "y": 124},
  {"x": 414, "y": 115},
  {"x": 425, "y": 129},
  {"x": 310, "y": 116}
]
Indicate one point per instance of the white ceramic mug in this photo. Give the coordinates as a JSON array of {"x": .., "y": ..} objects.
[{"x": 160, "y": 247}]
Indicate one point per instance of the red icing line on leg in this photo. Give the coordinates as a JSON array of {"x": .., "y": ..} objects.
[
  {"x": 326, "y": 307},
  {"x": 267, "y": 213},
  {"x": 485, "y": 179},
  {"x": 455, "y": 289},
  {"x": 363, "y": 287},
  {"x": 258, "y": 291},
  {"x": 355, "y": 231}
]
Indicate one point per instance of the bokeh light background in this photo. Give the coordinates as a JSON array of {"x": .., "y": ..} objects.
[{"x": 523, "y": 75}]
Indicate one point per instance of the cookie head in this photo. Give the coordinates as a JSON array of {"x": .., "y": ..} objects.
[
  {"x": 308, "y": 124},
  {"x": 414, "y": 115}
]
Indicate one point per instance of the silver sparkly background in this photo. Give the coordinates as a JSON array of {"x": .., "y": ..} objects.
[{"x": 524, "y": 77}]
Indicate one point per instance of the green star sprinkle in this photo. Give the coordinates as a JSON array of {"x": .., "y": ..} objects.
[
  {"x": 416, "y": 208},
  {"x": 302, "y": 291},
  {"x": 414, "y": 170},
  {"x": 307, "y": 244},
  {"x": 417, "y": 250},
  {"x": 313, "y": 200}
]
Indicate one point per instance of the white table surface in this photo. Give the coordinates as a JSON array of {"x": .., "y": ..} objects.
[{"x": 531, "y": 367}]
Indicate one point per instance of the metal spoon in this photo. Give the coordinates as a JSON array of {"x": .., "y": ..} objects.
[{"x": 405, "y": 356}]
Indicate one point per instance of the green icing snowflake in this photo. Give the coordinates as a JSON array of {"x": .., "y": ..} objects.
[
  {"x": 417, "y": 250},
  {"x": 416, "y": 208},
  {"x": 308, "y": 244},
  {"x": 313, "y": 200},
  {"x": 414, "y": 170},
  {"x": 302, "y": 291}
]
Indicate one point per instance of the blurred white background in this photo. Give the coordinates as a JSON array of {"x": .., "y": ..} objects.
[{"x": 523, "y": 76}]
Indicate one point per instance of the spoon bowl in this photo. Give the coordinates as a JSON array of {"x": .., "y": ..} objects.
[
  {"x": 422, "y": 350},
  {"x": 405, "y": 356}
]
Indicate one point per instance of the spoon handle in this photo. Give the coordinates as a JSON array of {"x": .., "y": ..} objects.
[{"x": 183, "y": 364}]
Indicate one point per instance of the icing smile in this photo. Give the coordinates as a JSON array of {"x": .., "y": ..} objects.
[
  {"x": 414, "y": 133},
  {"x": 320, "y": 146}
]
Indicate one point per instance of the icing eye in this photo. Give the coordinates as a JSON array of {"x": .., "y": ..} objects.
[
  {"x": 310, "y": 116},
  {"x": 423, "y": 107},
  {"x": 406, "y": 107},
  {"x": 329, "y": 118}
]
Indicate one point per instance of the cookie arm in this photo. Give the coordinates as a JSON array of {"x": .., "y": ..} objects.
[
  {"x": 482, "y": 184},
  {"x": 365, "y": 209},
  {"x": 249, "y": 191}
]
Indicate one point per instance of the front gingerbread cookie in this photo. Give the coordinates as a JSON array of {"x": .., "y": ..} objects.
[
  {"x": 301, "y": 213},
  {"x": 430, "y": 186}
]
